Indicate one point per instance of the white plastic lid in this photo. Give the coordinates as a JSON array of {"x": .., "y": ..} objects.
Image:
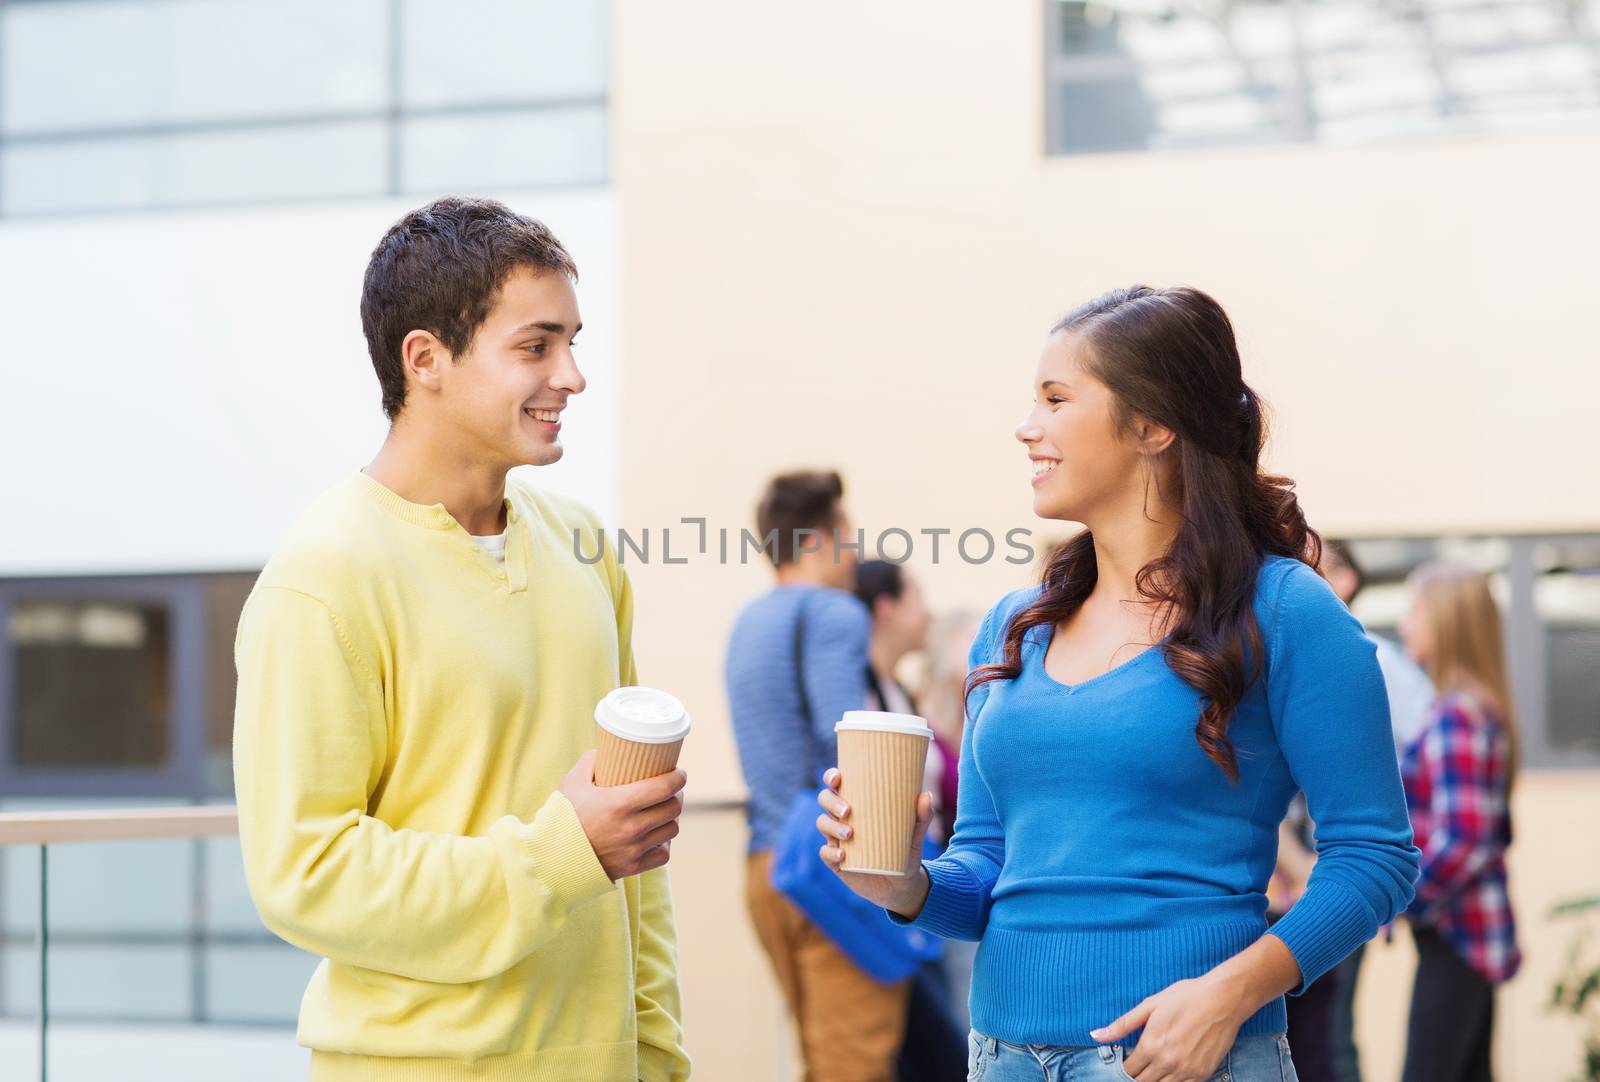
[
  {"x": 643, "y": 715},
  {"x": 881, "y": 721}
]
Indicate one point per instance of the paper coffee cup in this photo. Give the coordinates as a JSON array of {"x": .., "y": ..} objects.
[
  {"x": 638, "y": 734},
  {"x": 881, "y": 759}
]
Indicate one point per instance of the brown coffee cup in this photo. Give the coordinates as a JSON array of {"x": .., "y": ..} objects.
[
  {"x": 639, "y": 733},
  {"x": 881, "y": 761}
]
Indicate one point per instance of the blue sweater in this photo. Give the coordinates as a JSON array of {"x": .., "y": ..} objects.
[
  {"x": 781, "y": 754},
  {"x": 1099, "y": 855}
]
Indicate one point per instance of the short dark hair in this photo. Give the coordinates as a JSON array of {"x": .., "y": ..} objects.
[
  {"x": 879, "y": 578},
  {"x": 1340, "y": 550},
  {"x": 440, "y": 269},
  {"x": 803, "y": 500}
]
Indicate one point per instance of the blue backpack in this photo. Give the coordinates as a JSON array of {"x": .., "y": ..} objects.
[{"x": 887, "y": 951}]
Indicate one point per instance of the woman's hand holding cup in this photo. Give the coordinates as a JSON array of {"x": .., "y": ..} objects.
[{"x": 903, "y": 894}]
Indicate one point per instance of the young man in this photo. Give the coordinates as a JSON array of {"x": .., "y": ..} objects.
[
  {"x": 418, "y": 668},
  {"x": 850, "y": 1026}
]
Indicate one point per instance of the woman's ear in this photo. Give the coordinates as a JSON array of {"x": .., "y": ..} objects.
[{"x": 1153, "y": 438}]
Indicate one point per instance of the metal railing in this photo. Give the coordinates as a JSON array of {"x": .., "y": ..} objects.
[{"x": 43, "y": 830}]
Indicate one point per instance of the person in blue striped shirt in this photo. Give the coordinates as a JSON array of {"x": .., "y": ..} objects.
[
  {"x": 796, "y": 661},
  {"x": 1138, "y": 723}
]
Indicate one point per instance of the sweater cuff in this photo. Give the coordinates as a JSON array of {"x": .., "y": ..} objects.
[
  {"x": 658, "y": 1065},
  {"x": 954, "y": 909},
  {"x": 1328, "y": 922},
  {"x": 560, "y": 854}
]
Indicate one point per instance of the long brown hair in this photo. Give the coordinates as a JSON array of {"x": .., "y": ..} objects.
[
  {"x": 1469, "y": 653},
  {"x": 1169, "y": 356}
]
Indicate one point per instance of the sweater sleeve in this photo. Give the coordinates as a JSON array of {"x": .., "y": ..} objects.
[
  {"x": 657, "y": 998},
  {"x": 1331, "y": 716},
  {"x": 962, "y": 879},
  {"x": 837, "y": 631},
  {"x": 310, "y": 741}
]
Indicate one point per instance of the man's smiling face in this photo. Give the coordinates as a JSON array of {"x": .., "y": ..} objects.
[{"x": 506, "y": 393}]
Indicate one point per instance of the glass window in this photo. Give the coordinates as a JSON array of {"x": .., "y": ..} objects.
[
  {"x": 92, "y": 683},
  {"x": 505, "y": 150},
  {"x": 119, "y": 688},
  {"x": 219, "y": 167},
  {"x": 225, "y": 598},
  {"x": 1548, "y": 590},
  {"x": 502, "y": 50},
  {"x": 1104, "y": 114},
  {"x": 1567, "y": 600},
  {"x": 115, "y": 105},
  {"x": 19, "y": 888},
  {"x": 147, "y": 981},
  {"x": 1574, "y": 652},
  {"x": 259, "y": 983},
  {"x": 114, "y": 63},
  {"x": 229, "y": 910},
  {"x": 89, "y": 881},
  {"x": 1140, "y": 73}
]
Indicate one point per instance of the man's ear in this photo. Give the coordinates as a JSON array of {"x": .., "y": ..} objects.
[
  {"x": 1153, "y": 438},
  {"x": 423, "y": 356}
]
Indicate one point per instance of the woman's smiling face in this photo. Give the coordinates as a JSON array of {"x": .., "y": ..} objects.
[{"x": 1081, "y": 458}]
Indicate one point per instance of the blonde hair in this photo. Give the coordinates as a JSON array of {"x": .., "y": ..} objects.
[
  {"x": 1468, "y": 645},
  {"x": 944, "y": 675}
]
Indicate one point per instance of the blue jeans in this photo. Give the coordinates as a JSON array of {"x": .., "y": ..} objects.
[{"x": 1251, "y": 1059}]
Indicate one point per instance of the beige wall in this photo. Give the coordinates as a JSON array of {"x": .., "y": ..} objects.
[{"x": 841, "y": 245}]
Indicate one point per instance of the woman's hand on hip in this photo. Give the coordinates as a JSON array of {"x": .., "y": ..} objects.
[
  {"x": 898, "y": 894},
  {"x": 1188, "y": 1029}
]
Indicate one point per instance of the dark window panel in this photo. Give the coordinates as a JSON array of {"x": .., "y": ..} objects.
[
  {"x": 1574, "y": 654},
  {"x": 92, "y": 684}
]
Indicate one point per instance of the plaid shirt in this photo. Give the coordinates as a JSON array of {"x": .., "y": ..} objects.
[{"x": 1455, "y": 775}]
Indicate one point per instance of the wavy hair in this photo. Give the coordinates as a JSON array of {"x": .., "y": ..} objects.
[{"x": 1169, "y": 356}]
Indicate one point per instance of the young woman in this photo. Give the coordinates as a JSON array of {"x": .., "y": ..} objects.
[
  {"x": 1137, "y": 725},
  {"x": 1458, "y": 776}
]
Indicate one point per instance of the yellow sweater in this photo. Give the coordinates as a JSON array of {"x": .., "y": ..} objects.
[{"x": 406, "y": 711}]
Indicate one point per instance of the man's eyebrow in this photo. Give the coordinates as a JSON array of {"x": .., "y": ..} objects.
[{"x": 544, "y": 325}]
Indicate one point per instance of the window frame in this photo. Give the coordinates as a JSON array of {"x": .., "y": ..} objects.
[
  {"x": 1527, "y": 655},
  {"x": 183, "y": 776},
  {"x": 392, "y": 112},
  {"x": 1303, "y": 123}
]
